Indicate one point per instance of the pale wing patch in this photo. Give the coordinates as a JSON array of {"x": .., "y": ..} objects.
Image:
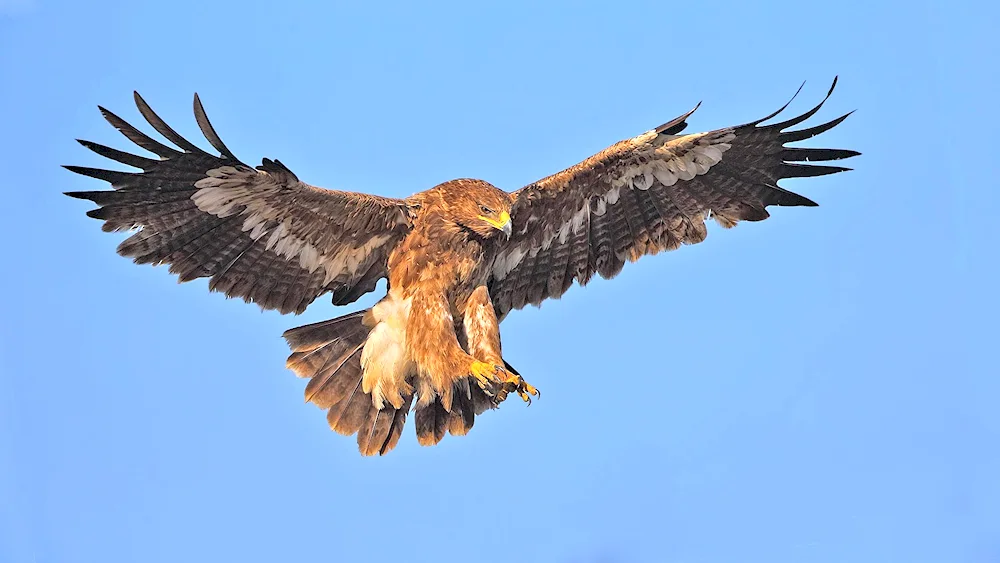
[
  {"x": 347, "y": 259},
  {"x": 654, "y": 158},
  {"x": 667, "y": 158},
  {"x": 228, "y": 190},
  {"x": 507, "y": 260},
  {"x": 573, "y": 226}
]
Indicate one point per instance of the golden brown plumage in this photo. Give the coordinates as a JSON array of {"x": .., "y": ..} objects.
[{"x": 458, "y": 257}]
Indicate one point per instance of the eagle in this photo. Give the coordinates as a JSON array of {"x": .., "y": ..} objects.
[{"x": 457, "y": 257}]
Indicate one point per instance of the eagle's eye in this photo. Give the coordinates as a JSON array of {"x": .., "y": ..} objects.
[{"x": 485, "y": 210}]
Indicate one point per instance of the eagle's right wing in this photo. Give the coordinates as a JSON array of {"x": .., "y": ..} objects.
[{"x": 260, "y": 234}]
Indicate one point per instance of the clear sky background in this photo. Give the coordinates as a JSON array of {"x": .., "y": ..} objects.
[{"x": 819, "y": 387}]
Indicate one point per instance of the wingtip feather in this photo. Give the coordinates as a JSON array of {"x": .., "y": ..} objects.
[
  {"x": 781, "y": 109},
  {"x": 162, "y": 127},
  {"x": 677, "y": 124},
  {"x": 77, "y": 195},
  {"x": 201, "y": 116}
]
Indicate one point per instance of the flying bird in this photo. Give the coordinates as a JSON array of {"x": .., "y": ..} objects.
[{"x": 458, "y": 257}]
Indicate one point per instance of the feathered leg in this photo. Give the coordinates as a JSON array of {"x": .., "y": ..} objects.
[{"x": 482, "y": 336}]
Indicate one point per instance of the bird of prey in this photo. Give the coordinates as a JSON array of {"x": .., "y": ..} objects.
[{"x": 458, "y": 257}]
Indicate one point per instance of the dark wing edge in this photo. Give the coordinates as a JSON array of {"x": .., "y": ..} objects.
[
  {"x": 258, "y": 233},
  {"x": 650, "y": 194}
]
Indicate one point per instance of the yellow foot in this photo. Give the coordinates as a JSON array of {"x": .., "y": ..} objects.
[
  {"x": 498, "y": 382},
  {"x": 488, "y": 376},
  {"x": 524, "y": 389}
]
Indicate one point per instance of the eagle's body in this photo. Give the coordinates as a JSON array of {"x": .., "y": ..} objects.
[
  {"x": 458, "y": 257},
  {"x": 442, "y": 298}
]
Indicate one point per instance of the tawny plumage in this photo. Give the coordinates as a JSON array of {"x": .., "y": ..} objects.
[{"x": 458, "y": 257}]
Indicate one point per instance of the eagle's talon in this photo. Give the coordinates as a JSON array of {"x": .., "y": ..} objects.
[
  {"x": 489, "y": 377},
  {"x": 498, "y": 383},
  {"x": 525, "y": 396},
  {"x": 523, "y": 389},
  {"x": 530, "y": 389}
]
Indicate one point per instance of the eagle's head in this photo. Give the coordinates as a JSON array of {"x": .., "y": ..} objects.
[{"x": 477, "y": 206}]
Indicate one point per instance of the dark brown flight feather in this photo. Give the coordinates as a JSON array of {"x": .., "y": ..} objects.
[
  {"x": 197, "y": 212},
  {"x": 615, "y": 225}
]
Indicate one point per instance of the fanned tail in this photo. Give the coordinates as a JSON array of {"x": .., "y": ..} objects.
[{"x": 329, "y": 354}]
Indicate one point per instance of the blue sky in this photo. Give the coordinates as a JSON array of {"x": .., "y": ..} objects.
[{"x": 818, "y": 387}]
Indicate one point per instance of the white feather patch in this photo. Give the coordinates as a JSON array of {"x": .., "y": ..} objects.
[
  {"x": 506, "y": 261},
  {"x": 662, "y": 159},
  {"x": 601, "y": 208},
  {"x": 667, "y": 158},
  {"x": 510, "y": 258},
  {"x": 384, "y": 362},
  {"x": 228, "y": 190},
  {"x": 663, "y": 174},
  {"x": 348, "y": 258},
  {"x": 613, "y": 195},
  {"x": 573, "y": 226}
]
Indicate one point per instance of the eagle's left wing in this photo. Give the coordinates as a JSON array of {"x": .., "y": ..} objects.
[{"x": 645, "y": 195}]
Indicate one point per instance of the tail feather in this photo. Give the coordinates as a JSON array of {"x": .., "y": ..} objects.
[
  {"x": 463, "y": 413},
  {"x": 431, "y": 422},
  {"x": 374, "y": 430},
  {"x": 329, "y": 354},
  {"x": 381, "y": 429},
  {"x": 314, "y": 345},
  {"x": 348, "y": 414},
  {"x": 334, "y": 381},
  {"x": 311, "y": 336},
  {"x": 396, "y": 429},
  {"x": 434, "y": 420}
]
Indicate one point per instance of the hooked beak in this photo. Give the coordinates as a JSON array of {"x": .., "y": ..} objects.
[{"x": 503, "y": 223}]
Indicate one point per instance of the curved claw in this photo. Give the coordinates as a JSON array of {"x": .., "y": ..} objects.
[{"x": 524, "y": 389}]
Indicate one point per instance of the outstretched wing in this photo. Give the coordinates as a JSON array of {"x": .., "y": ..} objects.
[
  {"x": 645, "y": 195},
  {"x": 260, "y": 234}
]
